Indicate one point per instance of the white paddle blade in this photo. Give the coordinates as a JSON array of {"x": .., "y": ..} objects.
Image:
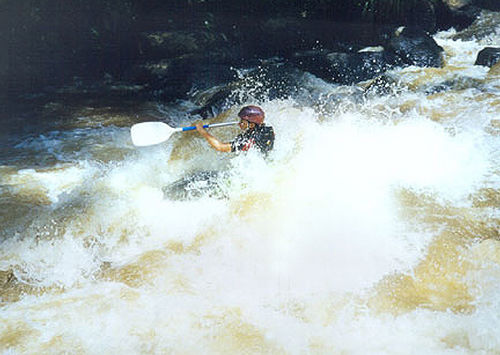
[{"x": 150, "y": 133}]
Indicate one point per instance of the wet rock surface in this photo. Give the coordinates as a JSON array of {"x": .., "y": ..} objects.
[
  {"x": 344, "y": 67},
  {"x": 414, "y": 47},
  {"x": 489, "y": 56}
]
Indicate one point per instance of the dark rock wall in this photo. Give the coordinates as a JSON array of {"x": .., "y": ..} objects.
[{"x": 49, "y": 43}]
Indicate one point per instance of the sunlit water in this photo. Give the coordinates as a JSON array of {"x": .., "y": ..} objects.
[{"x": 373, "y": 227}]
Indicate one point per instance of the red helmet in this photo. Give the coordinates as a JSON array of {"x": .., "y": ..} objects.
[{"x": 252, "y": 114}]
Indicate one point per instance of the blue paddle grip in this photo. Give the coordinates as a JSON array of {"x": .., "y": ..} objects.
[{"x": 192, "y": 128}]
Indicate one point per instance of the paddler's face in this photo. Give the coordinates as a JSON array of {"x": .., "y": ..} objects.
[{"x": 244, "y": 124}]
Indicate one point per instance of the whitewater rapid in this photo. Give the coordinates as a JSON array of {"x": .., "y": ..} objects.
[{"x": 371, "y": 228}]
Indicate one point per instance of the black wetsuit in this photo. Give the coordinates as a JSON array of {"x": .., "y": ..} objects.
[{"x": 261, "y": 136}]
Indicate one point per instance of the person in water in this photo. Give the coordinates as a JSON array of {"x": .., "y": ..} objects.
[{"x": 255, "y": 133}]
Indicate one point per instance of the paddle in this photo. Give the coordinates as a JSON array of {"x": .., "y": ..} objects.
[{"x": 150, "y": 133}]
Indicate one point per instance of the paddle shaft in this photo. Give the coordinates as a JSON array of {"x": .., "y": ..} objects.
[{"x": 213, "y": 125}]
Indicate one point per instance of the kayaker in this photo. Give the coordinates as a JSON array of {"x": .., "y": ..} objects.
[{"x": 255, "y": 133}]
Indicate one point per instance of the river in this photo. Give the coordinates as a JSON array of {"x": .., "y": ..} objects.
[{"x": 372, "y": 227}]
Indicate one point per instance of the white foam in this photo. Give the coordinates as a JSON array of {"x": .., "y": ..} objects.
[
  {"x": 287, "y": 262},
  {"x": 53, "y": 182}
]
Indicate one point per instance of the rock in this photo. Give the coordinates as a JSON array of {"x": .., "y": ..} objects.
[
  {"x": 267, "y": 37},
  {"x": 165, "y": 78},
  {"x": 415, "y": 47},
  {"x": 492, "y": 5},
  {"x": 488, "y": 57},
  {"x": 482, "y": 27},
  {"x": 406, "y": 46},
  {"x": 381, "y": 85},
  {"x": 149, "y": 71},
  {"x": 172, "y": 44},
  {"x": 459, "y": 16},
  {"x": 345, "y": 68},
  {"x": 169, "y": 44},
  {"x": 421, "y": 14},
  {"x": 211, "y": 102},
  {"x": 456, "y": 4},
  {"x": 268, "y": 81},
  {"x": 172, "y": 79}
]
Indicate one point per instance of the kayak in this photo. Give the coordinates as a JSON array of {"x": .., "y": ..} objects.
[{"x": 213, "y": 184}]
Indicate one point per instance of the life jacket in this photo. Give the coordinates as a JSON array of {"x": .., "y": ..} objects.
[{"x": 261, "y": 137}]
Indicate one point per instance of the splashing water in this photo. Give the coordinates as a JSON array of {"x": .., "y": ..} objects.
[{"x": 371, "y": 228}]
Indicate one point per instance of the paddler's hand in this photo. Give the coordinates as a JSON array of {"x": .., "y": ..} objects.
[
  {"x": 199, "y": 126},
  {"x": 214, "y": 142},
  {"x": 200, "y": 129}
]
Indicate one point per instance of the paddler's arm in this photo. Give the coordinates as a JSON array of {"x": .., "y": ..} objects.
[{"x": 214, "y": 142}]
